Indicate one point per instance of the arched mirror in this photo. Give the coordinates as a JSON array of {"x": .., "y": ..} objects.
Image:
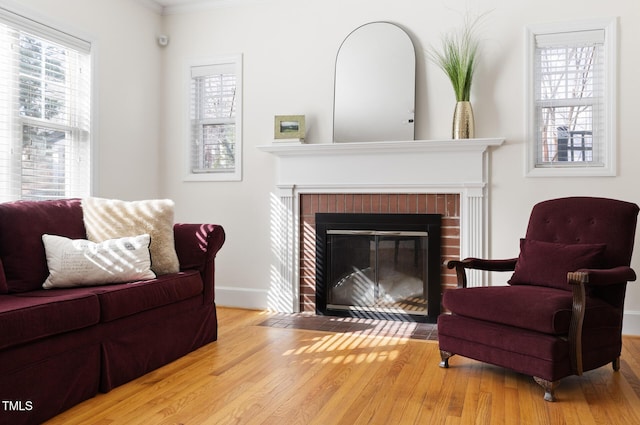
[{"x": 374, "y": 96}]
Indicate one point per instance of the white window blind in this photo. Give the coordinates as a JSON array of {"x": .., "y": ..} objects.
[
  {"x": 215, "y": 147},
  {"x": 45, "y": 114},
  {"x": 572, "y": 97}
]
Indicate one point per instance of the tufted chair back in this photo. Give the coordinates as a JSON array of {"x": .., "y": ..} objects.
[{"x": 585, "y": 220}]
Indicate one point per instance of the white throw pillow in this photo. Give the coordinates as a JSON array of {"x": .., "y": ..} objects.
[
  {"x": 78, "y": 262},
  {"x": 111, "y": 218}
]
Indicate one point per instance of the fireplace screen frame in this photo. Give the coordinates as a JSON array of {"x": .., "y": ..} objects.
[{"x": 383, "y": 223}]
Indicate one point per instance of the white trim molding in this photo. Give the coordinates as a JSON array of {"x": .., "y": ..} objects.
[{"x": 253, "y": 299}]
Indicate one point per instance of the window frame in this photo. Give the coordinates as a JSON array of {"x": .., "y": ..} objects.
[
  {"x": 609, "y": 100},
  {"x": 81, "y": 144},
  {"x": 234, "y": 61}
]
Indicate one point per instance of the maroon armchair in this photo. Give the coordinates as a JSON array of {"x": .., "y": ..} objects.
[{"x": 561, "y": 313}]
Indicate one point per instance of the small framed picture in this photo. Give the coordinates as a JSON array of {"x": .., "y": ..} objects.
[{"x": 289, "y": 127}]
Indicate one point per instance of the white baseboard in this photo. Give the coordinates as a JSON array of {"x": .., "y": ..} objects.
[
  {"x": 253, "y": 299},
  {"x": 631, "y": 323}
]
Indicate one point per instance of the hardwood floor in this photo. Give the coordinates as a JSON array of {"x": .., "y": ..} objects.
[{"x": 256, "y": 374}]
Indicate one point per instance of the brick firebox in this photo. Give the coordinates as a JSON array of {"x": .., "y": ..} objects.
[{"x": 448, "y": 205}]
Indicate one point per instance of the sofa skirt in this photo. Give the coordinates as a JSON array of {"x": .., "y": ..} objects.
[
  {"x": 133, "y": 346},
  {"x": 40, "y": 380}
]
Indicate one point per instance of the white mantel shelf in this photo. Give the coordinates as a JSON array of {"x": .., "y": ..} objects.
[
  {"x": 416, "y": 166},
  {"x": 302, "y": 149},
  {"x": 401, "y": 164}
]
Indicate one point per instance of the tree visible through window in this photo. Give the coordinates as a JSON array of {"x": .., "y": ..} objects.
[
  {"x": 568, "y": 99},
  {"x": 45, "y": 104},
  {"x": 42, "y": 96}
]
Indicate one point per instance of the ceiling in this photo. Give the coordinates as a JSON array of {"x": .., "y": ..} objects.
[{"x": 177, "y": 6}]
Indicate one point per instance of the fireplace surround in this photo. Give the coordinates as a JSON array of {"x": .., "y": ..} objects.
[{"x": 457, "y": 170}]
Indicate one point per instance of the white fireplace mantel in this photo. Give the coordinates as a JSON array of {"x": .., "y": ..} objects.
[
  {"x": 301, "y": 149},
  {"x": 417, "y": 166},
  {"x": 408, "y": 163}
]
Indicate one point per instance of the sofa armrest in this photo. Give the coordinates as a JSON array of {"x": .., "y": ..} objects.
[
  {"x": 479, "y": 264},
  {"x": 197, "y": 246}
]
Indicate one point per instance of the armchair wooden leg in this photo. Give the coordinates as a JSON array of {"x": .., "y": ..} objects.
[
  {"x": 445, "y": 356},
  {"x": 549, "y": 388},
  {"x": 616, "y": 364}
]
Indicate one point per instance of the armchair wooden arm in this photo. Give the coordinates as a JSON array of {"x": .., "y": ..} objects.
[
  {"x": 479, "y": 264},
  {"x": 598, "y": 277},
  {"x": 578, "y": 281}
]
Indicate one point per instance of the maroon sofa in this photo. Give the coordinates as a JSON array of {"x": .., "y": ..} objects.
[{"x": 59, "y": 347}]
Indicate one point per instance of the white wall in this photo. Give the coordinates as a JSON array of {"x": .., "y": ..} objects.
[
  {"x": 289, "y": 49},
  {"x": 127, "y": 81}
]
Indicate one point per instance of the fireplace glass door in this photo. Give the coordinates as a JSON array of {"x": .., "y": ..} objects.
[{"x": 383, "y": 271}]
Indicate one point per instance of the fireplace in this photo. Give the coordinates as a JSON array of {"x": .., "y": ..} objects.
[
  {"x": 378, "y": 265},
  {"x": 417, "y": 176}
]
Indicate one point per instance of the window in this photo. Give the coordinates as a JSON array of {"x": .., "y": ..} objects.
[
  {"x": 215, "y": 120},
  {"x": 45, "y": 111},
  {"x": 571, "y": 99}
]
